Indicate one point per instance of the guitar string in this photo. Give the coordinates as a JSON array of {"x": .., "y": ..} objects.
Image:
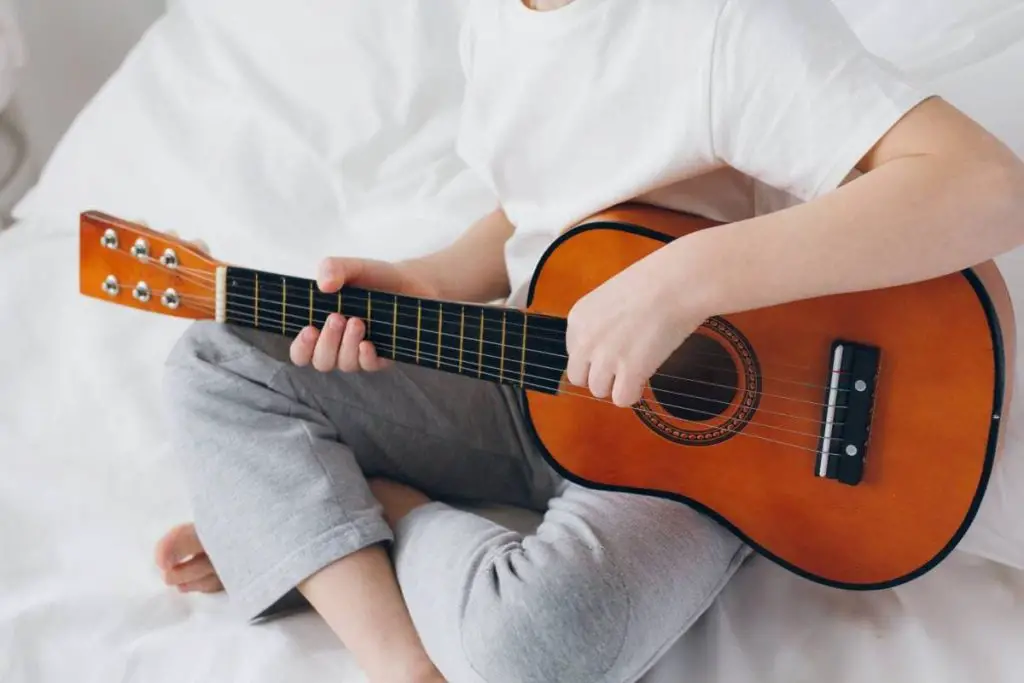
[
  {"x": 249, "y": 319},
  {"x": 408, "y": 355},
  {"x": 537, "y": 333},
  {"x": 430, "y": 335},
  {"x": 209, "y": 283},
  {"x": 273, "y": 288},
  {"x": 429, "y": 342},
  {"x": 294, "y": 327}
]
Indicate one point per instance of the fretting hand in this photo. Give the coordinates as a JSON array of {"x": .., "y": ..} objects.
[{"x": 342, "y": 344}]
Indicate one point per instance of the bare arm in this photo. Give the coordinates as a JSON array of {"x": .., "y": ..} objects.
[
  {"x": 472, "y": 269},
  {"x": 938, "y": 194}
]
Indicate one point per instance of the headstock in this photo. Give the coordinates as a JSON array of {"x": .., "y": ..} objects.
[{"x": 131, "y": 265}]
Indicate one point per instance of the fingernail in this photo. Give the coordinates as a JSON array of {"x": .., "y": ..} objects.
[{"x": 334, "y": 321}]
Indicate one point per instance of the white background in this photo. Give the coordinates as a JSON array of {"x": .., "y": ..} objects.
[{"x": 74, "y": 46}]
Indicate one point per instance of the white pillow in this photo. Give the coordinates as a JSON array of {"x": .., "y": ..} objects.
[
  {"x": 278, "y": 132},
  {"x": 933, "y": 38}
]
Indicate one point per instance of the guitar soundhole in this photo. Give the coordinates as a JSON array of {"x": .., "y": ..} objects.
[{"x": 698, "y": 382}]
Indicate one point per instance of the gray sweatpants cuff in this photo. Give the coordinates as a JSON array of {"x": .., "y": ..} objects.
[{"x": 274, "y": 591}]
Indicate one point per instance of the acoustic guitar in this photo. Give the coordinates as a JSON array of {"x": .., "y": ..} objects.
[{"x": 847, "y": 438}]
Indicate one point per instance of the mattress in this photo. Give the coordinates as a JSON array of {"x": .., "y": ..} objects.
[{"x": 202, "y": 133}]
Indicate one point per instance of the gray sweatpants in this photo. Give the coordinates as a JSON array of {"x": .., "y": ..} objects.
[{"x": 276, "y": 459}]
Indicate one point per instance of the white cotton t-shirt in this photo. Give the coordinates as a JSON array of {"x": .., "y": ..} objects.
[{"x": 726, "y": 108}]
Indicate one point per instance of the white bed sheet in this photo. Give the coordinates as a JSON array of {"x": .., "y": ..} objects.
[{"x": 87, "y": 483}]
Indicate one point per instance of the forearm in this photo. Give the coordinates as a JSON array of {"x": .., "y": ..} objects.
[
  {"x": 472, "y": 269},
  {"x": 909, "y": 220}
]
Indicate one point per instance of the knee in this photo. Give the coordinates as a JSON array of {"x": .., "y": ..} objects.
[
  {"x": 206, "y": 342},
  {"x": 526, "y": 623},
  {"x": 209, "y": 354}
]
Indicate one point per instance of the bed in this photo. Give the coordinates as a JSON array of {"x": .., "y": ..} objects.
[{"x": 282, "y": 132}]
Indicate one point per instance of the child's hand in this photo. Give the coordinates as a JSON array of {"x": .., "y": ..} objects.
[
  {"x": 341, "y": 345},
  {"x": 620, "y": 333}
]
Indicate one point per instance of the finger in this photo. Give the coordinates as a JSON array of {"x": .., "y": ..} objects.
[
  {"x": 177, "y": 546},
  {"x": 627, "y": 390},
  {"x": 600, "y": 381},
  {"x": 199, "y": 567},
  {"x": 335, "y": 272},
  {"x": 369, "y": 360},
  {"x": 578, "y": 370},
  {"x": 301, "y": 350},
  {"x": 325, "y": 355},
  {"x": 348, "y": 356},
  {"x": 210, "y": 584}
]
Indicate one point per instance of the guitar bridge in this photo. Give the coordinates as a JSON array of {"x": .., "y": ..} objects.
[{"x": 846, "y": 416}]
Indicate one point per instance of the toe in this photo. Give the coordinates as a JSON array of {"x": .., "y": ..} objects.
[
  {"x": 209, "y": 584},
  {"x": 177, "y": 546},
  {"x": 196, "y": 569}
]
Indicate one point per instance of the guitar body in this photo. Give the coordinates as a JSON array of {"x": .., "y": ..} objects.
[{"x": 742, "y": 441}]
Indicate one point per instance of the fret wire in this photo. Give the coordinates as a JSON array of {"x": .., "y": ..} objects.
[
  {"x": 489, "y": 374},
  {"x": 369, "y": 313},
  {"x": 364, "y": 294},
  {"x": 419, "y": 327},
  {"x": 284, "y": 303},
  {"x": 480, "y": 351},
  {"x": 394, "y": 327},
  {"x": 311, "y": 304},
  {"x": 543, "y": 344},
  {"x": 257, "y": 297},
  {"x": 554, "y": 387},
  {"x": 501, "y": 365},
  {"x": 339, "y": 303},
  {"x": 440, "y": 321},
  {"x": 462, "y": 335},
  {"x": 234, "y": 296},
  {"x": 522, "y": 362},
  {"x": 541, "y": 369}
]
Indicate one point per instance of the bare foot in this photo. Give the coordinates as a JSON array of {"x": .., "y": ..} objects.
[
  {"x": 181, "y": 558},
  {"x": 398, "y": 500}
]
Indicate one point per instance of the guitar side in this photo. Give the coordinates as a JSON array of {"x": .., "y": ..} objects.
[{"x": 935, "y": 422}]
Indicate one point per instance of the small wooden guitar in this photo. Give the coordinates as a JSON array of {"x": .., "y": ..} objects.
[{"x": 848, "y": 438}]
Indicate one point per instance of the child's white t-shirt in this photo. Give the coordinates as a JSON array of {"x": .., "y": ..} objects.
[{"x": 696, "y": 105}]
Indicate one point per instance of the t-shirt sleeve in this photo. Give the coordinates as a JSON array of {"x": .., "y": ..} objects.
[{"x": 796, "y": 100}]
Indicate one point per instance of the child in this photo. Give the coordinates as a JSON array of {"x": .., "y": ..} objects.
[{"x": 570, "y": 107}]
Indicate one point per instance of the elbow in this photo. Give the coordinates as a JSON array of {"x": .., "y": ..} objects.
[
  {"x": 996, "y": 189},
  {"x": 1010, "y": 197}
]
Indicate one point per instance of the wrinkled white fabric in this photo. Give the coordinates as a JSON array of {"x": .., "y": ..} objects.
[{"x": 281, "y": 132}]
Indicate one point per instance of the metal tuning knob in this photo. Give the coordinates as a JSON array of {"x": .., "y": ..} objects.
[
  {"x": 109, "y": 239},
  {"x": 111, "y": 287},
  {"x": 169, "y": 259},
  {"x": 140, "y": 249},
  {"x": 170, "y": 299},
  {"x": 142, "y": 292}
]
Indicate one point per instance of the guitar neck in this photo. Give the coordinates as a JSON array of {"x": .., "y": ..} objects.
[{"x": 496, "y": 344}]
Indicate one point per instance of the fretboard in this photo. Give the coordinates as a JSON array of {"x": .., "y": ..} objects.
[{"x": 492, "y": 343}]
